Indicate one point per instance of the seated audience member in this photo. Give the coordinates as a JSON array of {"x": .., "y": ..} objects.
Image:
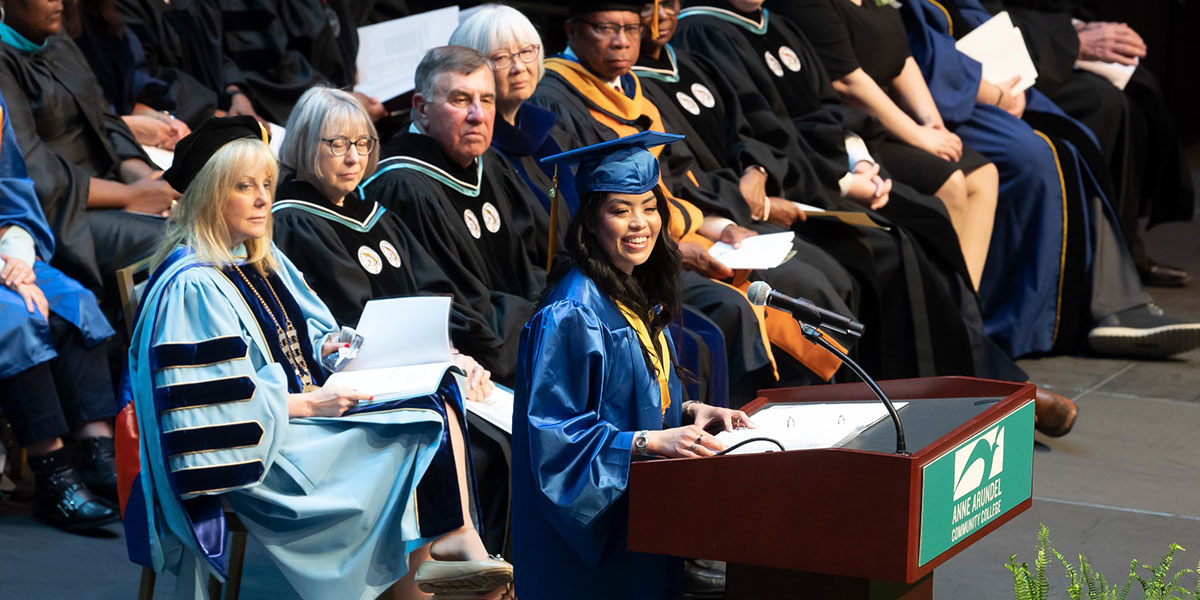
[
  {"x": 465, "y": 205},
  {"x": 183, "y": 44},
  {"x": 1028, "y": 242},
  {"x": 280, "y": 48},
  {"x": 577, "y": 88},
  {"x": 886, "y": 83},
  {"x": 54, "y": 376},
  {"x": 1132, "y": 125},
  {"x": 230, "y": 334},
  {"x": 103, "y": 199},
  {"x": 603, "y": 319},
  {"x": 351, "y": 249},
  {"x": 114, "y": 53},
  {"x": 1081, "y": 286},
  {"x": 523, "y": 132}
]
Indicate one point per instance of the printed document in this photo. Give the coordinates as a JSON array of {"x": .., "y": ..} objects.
[
  {"x": 999, "y": 46},
  {"x": 805, "y": 425}
]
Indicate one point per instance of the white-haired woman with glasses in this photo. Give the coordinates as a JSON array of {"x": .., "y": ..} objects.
[
  {"x": 351, "y": 249},
  {"x": 523, "y": 133}
]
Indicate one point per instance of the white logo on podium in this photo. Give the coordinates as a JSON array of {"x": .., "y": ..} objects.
[{"x": 978, "y": 462}]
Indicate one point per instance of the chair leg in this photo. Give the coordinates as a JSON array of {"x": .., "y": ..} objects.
[
  {"x": 214, "y": 588},
  {"x": 146, "y": 587},
  {"x": 237, "y": 552}
]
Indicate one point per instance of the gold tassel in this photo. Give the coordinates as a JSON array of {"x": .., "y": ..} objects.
[
  {"x": 654, "y": 23},
  {"x": 552, "y": 247}
]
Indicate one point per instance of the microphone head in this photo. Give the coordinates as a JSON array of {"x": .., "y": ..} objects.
[{"x": 758, "y": 293}]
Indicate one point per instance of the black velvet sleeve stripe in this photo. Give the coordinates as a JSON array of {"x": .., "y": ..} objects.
[
  {"x": 207, "y": 352},
  {"x": 213, "y": 437},
  {"x": 223, "y": 477},
  {"x": 203, "y": 393}
]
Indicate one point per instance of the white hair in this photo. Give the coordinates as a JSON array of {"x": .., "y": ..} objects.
[{"x": 495, "y": 26}]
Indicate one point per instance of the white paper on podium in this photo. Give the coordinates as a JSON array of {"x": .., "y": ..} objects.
[
  {"x": 388, "y": 52},
  {"x": 756, "y": 252},
  {"x": 999, "y": 46},
  {"x": 405, "y": 350},
  {"x": 497, "y": 409},
  {"x": 805, "y": 425}
]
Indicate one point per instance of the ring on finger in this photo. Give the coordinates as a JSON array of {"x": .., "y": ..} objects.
[{"x": 692, "y": 448}]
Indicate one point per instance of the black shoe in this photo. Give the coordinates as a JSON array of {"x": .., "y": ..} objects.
[
  {"x": 703, "y": 579},
  {"x": 61, "y": 499},
  {"x": 1156, "y": 275},
  {"x": 98, "y": 467},
  {"x": 1143, "y": 331}
]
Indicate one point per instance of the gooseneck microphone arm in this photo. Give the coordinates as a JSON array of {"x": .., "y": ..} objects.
[{"x": 759, "y": 296}]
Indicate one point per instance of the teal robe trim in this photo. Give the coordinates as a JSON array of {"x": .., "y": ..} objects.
[
  {"x": 435, "y": 173},
  {"x": 320, "y": 211},
  {"x": 9, "y": 36},
  {"x": 669, "y": 76},
  {"x": 759, "y": 27}
]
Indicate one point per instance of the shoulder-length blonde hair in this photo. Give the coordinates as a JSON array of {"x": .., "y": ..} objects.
[
  {"x": 198, "y": 221},
  {"x": 323, "y": 109}
]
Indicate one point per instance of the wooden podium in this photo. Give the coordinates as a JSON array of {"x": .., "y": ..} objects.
[{"x": 855, "y": 522}]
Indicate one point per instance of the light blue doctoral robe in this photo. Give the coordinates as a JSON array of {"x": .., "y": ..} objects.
[
  {"x": 331, "y": 499},
  {"x": 582, "y": 393}
]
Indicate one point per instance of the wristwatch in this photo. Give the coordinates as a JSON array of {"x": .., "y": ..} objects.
[{"x": 639, "y": 445}]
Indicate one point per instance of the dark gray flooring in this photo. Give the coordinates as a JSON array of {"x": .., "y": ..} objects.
[{"x": 1123, "y": 485}]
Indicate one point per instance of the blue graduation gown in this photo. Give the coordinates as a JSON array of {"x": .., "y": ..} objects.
[
  {"x": 332, "y": 500},
  {"x": 582, "y": 393},
  {"x": 24, "y": 337},
  {"x": 1039, "y": 259}
]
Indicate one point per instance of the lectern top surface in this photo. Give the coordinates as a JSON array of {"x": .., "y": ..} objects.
[{"x": 925, "y": 421}]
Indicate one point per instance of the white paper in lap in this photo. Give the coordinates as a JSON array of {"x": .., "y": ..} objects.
[{"x": 999, "y": 46}]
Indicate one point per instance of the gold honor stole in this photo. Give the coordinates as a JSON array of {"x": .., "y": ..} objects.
[
  {"x": 660, "y": 355},
  {"x": 615, "y": 110}
]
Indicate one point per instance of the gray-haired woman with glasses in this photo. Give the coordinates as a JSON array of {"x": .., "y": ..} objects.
[{"x": 350, "y": 249}]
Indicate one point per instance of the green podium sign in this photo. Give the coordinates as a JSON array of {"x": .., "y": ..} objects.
[{"x": 975, "y": 482}]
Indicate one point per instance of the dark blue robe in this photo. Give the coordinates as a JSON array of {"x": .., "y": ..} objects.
[
  {"x": 536, "y": 135},
  {"x": 24, "y": 337},
  {"x": 582, "y": 393},
  {"x": 1034, "y": 291}
]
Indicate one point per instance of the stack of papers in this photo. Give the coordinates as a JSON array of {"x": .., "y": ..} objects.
[
  {"x": 405, "y": 350},
  {"x": 805, "y": 426},
  {"x": 999, "y": 46},
  {"x": 756, "y": 252}
]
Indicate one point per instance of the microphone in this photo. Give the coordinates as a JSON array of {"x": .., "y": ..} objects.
[
  {"x": 812, "y": 316},
  {"x": 761, "y": 294}
]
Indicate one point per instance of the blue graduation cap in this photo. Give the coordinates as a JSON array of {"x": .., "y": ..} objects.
[{"x": 623, "y": 166}]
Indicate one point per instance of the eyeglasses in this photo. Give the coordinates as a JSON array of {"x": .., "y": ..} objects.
[
  {"x": 526, "y": 55},
  {"x": 669, "y": 10},
  {"x": 610, "y": 30},
  {"x": 339, "y": 146}
]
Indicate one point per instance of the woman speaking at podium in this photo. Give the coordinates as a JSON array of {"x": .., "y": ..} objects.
[
  {"x": 596, "y": 387},
  {"x": 227, "y": 371}
]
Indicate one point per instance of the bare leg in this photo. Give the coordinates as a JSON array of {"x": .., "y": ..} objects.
[
  {"x": 95, "y": 429},
  {"x": 462, "y": 543},
  {"x": 44, "y": 447},
  {"x": 982, "y": 191}
]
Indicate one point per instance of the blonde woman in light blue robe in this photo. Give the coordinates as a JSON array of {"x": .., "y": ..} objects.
[{"x": 228, "y": 410}]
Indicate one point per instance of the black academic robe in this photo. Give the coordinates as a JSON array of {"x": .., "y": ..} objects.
[
  {"x": 281, "y": 48},
  {"x": 68, "y": 134},
  {"x": 913, "y": 277},
  {"x": 360, "y": 251},
  {"x": 486, "y": 244},
  {"x": 182, "y": 44}
]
